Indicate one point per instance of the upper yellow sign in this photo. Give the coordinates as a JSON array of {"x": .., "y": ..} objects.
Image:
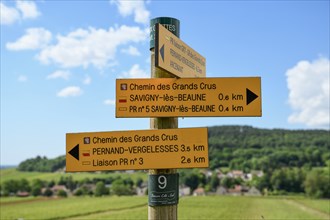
[
  {"x": 134, "y": 150},
  {"x": 188, "y": 97},
  {"x": 176, "y": 57}
]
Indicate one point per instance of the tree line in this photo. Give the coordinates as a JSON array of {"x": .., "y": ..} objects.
[
  {"x": 42, "y": 164},
  {"x": 314, "y": 183},
  {"x": 86, "y": 187}
]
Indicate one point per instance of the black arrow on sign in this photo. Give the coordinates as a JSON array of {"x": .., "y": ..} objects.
[
  {"x": 75, "y": 152},
  {"x": 162, "y": 52},
  {"x": 250, "y": 96}
]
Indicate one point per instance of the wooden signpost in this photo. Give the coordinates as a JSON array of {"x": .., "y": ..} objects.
[
  {"x": 177, "y": 88},
  {"x": 164, "y": 210}
]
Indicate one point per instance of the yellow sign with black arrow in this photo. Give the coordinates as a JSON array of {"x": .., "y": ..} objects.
[
  {"x": 137, "y": 150},
  {"x": 176, "y": 57},
  {"x": 188, "y": 97}
]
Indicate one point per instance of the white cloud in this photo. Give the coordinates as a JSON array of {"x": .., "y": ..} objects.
[
  {"x": 131, "y": 51},
  {"x": 34, "y": 38},
  {"x": 87, "y": 80},
  {"x": 23, "y": 10},
  {"x": 70, "y": 91},
  {"x": 8, "y": 15},
  {"x": 90, "y": 47},
  {"x": 109, "y": 102},
  {"x": 308, "y": 84},
  {"x": 22, "y": 78},
  {"x": 59, "y": 74},
  {"x": 136, "y": 72},
  {"x": 28, "y": 9},
  {"x": 126, "y": 8}
]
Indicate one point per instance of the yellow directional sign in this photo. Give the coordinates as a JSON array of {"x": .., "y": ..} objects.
[
  {"x": 176, "y": 57},
  {"x": 135, "y": 150},
  {"x": 188, "y": 97}
]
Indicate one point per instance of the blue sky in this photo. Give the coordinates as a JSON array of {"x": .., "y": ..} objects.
[{"x": 60, "y": 59}]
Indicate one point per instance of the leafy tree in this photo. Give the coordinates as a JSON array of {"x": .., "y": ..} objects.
[
  {"x": 139, "y": 182},
  {"x": 68, "y": 182},
  {"x": 214, "y": 182},
  {"x": 79, "y": 192},
  {"x": 297, "y": 179},
  {"x": 62, "y": 193},
  {"x": 62, "y": 181},
  {"x": 100, "y": 189},
  {"x": 84, "y": 181},
  {"x": 193, "y": 180},
  {"x": 83, "y": 190},
  {"x": 229, "y": 182},
  {"x": 288, "y": 179},
  {"x": 51, "y": 183},
  {"x": 128, "y": 181},
  {"x": 36, "y": 190},
  {"x": 13, "y": 186},
  {"x": 263, "y": 182},
  {"x": 317, "y": 184},
  {"x": 119, "y": 188},
  {"x": 279, "y": 180},
  {"x": 24, "y": 185},
  {"x": 48, "y": 192}
]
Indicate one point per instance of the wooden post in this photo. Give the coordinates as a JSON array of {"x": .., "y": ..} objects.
[{"x": 164, "y": 212}]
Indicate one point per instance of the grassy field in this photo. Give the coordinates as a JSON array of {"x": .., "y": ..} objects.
[
  {"x": 208, "y": 207},
  {"x": 13, "y": 174},
  {"x": 111, "y": 207},
  {"x": 322, "y": 205},
  {"x": 67, "y": 208}
]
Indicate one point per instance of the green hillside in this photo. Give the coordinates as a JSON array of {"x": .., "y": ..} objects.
[{"x": 246, "y": 148}]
